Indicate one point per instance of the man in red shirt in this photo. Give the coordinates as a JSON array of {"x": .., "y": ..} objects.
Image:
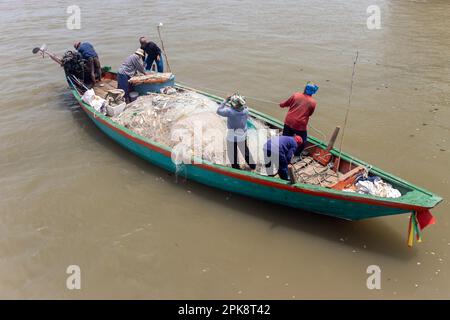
[{"x": 301, "y": 107}]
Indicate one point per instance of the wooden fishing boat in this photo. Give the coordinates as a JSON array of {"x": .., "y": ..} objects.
[
  {"x": 328, "y": 199},
  {"x": 313, "y": 198}
]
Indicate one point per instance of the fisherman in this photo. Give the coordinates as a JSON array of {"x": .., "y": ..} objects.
[
  {"x": 153, "y": 53},
  {"x": 130, "y": 67},
  {"x": 237, "y": 116},
  {"x": 301, "y": 107},
  {"x": 88, "y": 53},
  {"x": 281, "y": 149}
]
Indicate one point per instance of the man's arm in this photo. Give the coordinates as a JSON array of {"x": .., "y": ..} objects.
[
  {"x": 139, "y": 64},
  {"x": 290, "y": 155},
  {"x": 223, "y": 109},
  {"x": 312, "y": 108},
  {"x": 288, "y": 102}
]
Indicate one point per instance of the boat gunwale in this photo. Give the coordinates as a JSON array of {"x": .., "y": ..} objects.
[{"x": 421, "y": 197}]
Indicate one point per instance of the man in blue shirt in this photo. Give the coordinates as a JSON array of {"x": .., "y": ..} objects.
[
  {"x": 88, "y": 53},
  {"x": 281, "y": 149},
  {"x": 153, "y": 53},
  {"x": 237, "y": 116}
]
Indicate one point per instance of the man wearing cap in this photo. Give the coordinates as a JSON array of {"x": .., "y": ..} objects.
[
  {"x": 301, "y": 107},
  {"x": 236, "y": 114},
  {"x": 88, "y": 53},
  {"x": 278, "y": 153},
  {"x": 153, "y": 53},
  {"x": 130, "y": 67}
]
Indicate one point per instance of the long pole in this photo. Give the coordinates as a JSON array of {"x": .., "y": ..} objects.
[
  {"x": 44, "y": 52},
  {"x": 347, "y": 112},
  {"x": 162, "y": 46}
]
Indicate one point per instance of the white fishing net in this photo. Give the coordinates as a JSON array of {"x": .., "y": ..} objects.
[{"x": 185, "y": 121}]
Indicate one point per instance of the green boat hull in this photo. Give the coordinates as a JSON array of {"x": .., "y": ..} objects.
[{"x": 311, "y": 198}]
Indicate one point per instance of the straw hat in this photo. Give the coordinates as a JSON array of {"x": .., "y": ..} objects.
[
  {"x": 140, "y": 52},
  {"x": 237, "y": 101}
]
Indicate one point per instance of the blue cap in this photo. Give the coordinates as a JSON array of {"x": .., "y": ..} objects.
[{"x": 311, "y": 89}]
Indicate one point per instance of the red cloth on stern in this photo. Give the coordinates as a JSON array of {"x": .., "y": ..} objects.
[{"x": 425, "y": 218}]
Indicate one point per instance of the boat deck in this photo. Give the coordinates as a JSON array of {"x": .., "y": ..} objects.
[
  {"x": 311, "y": 172},
  {"x": 101, "y": 88}
]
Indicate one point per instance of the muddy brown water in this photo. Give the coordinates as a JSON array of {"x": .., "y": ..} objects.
[{"x": 69, "y": 195}]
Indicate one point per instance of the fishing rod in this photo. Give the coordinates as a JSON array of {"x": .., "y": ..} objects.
[
  {"x": 162, "y": 46},
  {"x": 347, "y": 112}
]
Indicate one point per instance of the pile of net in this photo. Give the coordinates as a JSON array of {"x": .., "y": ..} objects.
[{"x": 181, "y": 115}]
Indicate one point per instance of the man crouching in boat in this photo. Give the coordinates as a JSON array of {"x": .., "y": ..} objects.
[
  {"x": 237, "y": 116},
  {"x": 281, "y": 149},
  {"x": 301, "y": 107},
  {"x": 153, "y": 54},
  {"x": 129, "y": 68},
  {"x": 89, "y": 54}
]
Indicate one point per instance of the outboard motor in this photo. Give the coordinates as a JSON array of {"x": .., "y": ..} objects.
[{"x": 75, "y": 65}]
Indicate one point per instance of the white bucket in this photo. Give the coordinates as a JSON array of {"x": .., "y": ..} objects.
[{"x": 116, "y": 109}]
